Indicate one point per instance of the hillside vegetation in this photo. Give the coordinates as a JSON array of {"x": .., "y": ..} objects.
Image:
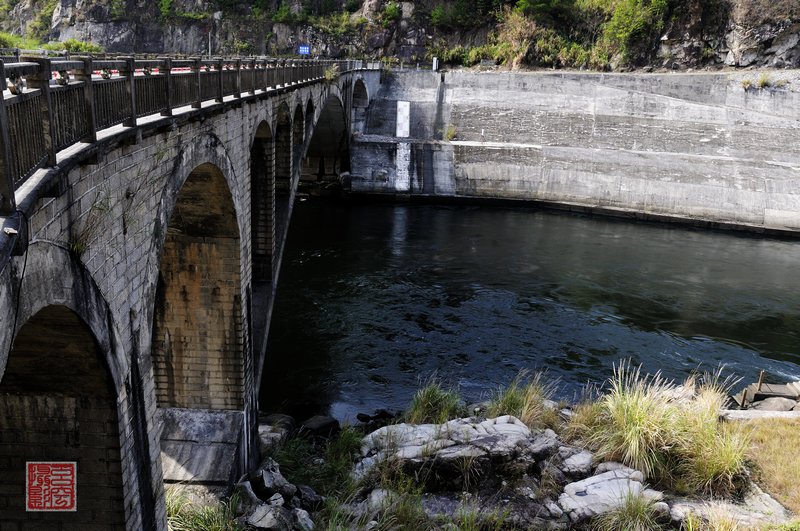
[{"x": 594, "y": 34}]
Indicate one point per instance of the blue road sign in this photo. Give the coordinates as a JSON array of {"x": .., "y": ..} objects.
[{"x": 304, "y": 49}]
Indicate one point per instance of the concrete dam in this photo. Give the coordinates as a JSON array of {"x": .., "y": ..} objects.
[
  {"x": 692, "y": 147},
  {"x": 145, "y": 205}
]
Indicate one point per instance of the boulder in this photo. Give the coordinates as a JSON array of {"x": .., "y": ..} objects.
[
  {"x": 774, "y": 403},
  {"x": 309, "y": 499},
  {"x": 598, "y": 494},
  {"x": 271, "y": 517},
  {"x": 578, "y": 465},
  {"x": 268, "y": 480},
  {"x": 544, "y": 445},
  {"x": 302, "y": 520}
]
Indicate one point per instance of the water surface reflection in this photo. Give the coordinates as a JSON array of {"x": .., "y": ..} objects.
[{"x": 374, "y": 297}]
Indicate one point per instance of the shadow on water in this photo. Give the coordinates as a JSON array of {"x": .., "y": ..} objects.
[{"x": 374, "y": 298}]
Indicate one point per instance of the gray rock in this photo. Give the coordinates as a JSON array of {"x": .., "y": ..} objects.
[
  {"x": 578, "y": 465},
  {"x": 278, "y": 420},
  {"x": 320, "y": 426},
  {"x": 607, "y": 466},
  {"x": 271, "y": 517},
  {"x": 302, "y": 520},
  {"x": 310, "y": 500},
  {"x": 544, "y": 445},
  {"x": 601, "y": 493},
  {"x": 774, "y": 403},
  {"x": 276, "y": 500},
  {"x": 268, "y": 480}
]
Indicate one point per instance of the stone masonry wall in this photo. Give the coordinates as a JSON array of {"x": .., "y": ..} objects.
[
  {"x": 690, "y": 146},
  {"x": 97, "y": 247}
]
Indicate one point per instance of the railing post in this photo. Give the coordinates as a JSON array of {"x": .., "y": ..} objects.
[
  {"x": 220, "y": 84},
  {"x": 254, "y": 66},
  {"x": 85, "y": 75},
  {"x": 130, "y": 73},
  {"x": 196, "y": 69},
  {"x": 167, "y": 62},
  {"x": 7, "y": 202},
  {"x": 238, "y": 88},
  {"x": 41, "y": 81},
  {"x": 281, "y": 81}
]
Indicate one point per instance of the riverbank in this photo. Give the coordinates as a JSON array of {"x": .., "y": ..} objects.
[{"x": 643, "y": 452}]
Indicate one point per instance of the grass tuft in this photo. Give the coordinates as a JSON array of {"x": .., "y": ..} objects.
[
  {"x": 635, "y": 513},
  {"x": 434, "y": 404},
  {"x": 182, "y": 515},
  {"x": 525, "y": 398},
  {"x": 674, "y": 437},
  {"x": 764, "y": 80}
]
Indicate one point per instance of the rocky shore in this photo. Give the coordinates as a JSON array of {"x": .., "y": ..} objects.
[{"x": 504, "y": 474}]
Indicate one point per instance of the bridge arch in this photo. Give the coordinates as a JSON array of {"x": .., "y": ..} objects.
[
  {"x": 65, "y": 395},
  {"x": 262, "y": 201},
  {"x": 359, "y": 106},
  {"x": 298, "y": 137},
  {"x": 310, "y": 109},
  {"x": 328, "y": 148},
  {"x": 283, "y": 149},
  {"x": 198, "y": 340}
]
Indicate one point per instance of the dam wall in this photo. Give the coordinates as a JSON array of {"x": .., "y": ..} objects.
[{"x": 696, "y": 147}]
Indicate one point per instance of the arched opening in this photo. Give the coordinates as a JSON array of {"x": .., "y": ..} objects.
[
  {"x": 58, "y": 403},
  {"x": 360, "y": 104},
  {"x": 262, "y": 197},
  {"x": 283, "y": 150},
  {"x": 298, "y": 136},
  {"x": 328, "y": 153},
  {"x": 309, "y": 117},
  {"x": 197, "y": 322}
]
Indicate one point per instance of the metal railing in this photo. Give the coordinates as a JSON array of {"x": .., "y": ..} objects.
[{"x": 51, "y": 104}]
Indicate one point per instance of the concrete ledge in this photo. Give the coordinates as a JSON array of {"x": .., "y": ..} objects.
[
  {"x": 199, "y": 446},
  {"x": 754, "y": 414}
]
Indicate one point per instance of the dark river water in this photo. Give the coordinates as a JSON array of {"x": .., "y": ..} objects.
[{"x": 375, "y": 298}]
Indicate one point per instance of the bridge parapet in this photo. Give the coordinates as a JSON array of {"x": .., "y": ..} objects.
[{"x": 50, "y": 105}]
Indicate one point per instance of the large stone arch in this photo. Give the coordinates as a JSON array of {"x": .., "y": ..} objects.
[
  {"x": 298, "y": 137},
  {"x": 190, "y": 454},
  {"x": 66, "y": 395},
  {"x": 359, "y": 106},
  {"x": 328, "y": 149},
  {"x": 198, "y": 344},
  {"x": 262, "y": 201},
  {"x": 283, "y": 148}
]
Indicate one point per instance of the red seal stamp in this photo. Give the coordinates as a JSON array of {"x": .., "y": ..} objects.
[{"x": 50, "y": 486}]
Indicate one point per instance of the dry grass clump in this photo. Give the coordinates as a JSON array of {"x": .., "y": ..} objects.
[
  {"x": 183, "y": 515},
  {"x": 635, "y": 513},
  {"x": 776, "y": 462},
  {"x": 526, "y": 398},
  {"x": 674, "y": 437}
]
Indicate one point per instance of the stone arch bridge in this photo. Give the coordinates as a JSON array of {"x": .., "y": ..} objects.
[{"x": 144, "y": 206}]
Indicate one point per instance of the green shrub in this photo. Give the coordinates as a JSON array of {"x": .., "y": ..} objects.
[
  {"x": 9, "y": 40},
  {"x": 433, "y": 404},
  {"x": 165, "y": 8},
  {"x": 74, "y": 46},
  {"x": 633, "y": 27},
  {"x": 392, "y": 12},
  {"x": 40, "y": 27},
  {"x": 525, "y": 398},
  {"x": 438, "y": 16},
  {"x": 284, "y": 14}
]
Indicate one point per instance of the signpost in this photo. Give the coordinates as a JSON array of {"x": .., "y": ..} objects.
[{"x": 304, "y": 49}]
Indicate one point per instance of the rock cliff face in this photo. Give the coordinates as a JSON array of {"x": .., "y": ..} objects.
[{"x": 741, "y": 32}]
